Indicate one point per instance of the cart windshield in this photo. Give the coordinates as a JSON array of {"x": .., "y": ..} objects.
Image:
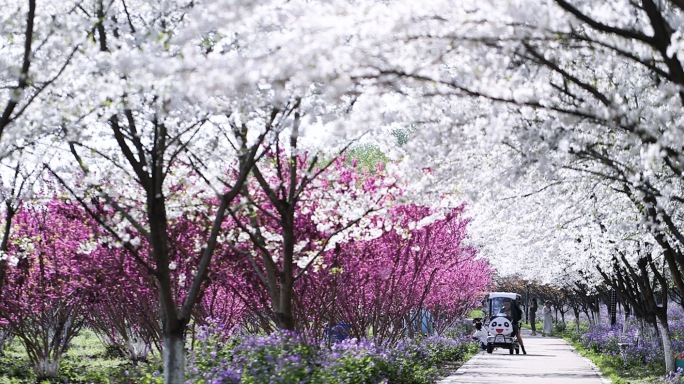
[{"x": 500, "y": 306}]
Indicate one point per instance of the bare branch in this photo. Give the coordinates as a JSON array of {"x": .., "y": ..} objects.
[{"x": 98, "y": 217}]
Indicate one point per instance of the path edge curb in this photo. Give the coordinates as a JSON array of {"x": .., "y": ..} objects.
[
  {"x": 593, "y": 366},
  {"x": 464, "y": 368}
]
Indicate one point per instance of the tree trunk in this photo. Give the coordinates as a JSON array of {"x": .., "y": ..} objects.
[
  {"x": 46, "y": 368},
  {"x": 10, "y": 211},
  {"x": 285, "y": 315},
  {"x": 664, "y": 331},
  {"x": 625, "y": 322},
  {"x": 174, "y": 359},
  {"x": 5, "y": 338},
  {"x": 137, "y": 349}
]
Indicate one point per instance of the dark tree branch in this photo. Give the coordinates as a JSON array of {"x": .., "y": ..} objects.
[
  {"x": 626, "y": 33},
  {"x": 566, "y": 75},
  {"x": 23, "y": 81}
]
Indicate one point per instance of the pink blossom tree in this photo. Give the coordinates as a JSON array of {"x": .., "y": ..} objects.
[
  {"x": 15, "y": 187},
  {"x": 124, "y": 312},
  {"x": 379, "y": 277},
  {"x": 419, "y": 263},
  {"x": 47, "y": 287},
  {"x": 299, "y": 206}
]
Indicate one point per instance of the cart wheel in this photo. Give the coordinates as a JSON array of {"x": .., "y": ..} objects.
[
  {"x": 490, "y": 348},
  {"x": 517, "y": 351},
  {"x": 510, "y": 350}
]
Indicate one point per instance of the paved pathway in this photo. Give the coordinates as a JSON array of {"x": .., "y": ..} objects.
[{"x": 548, "y": 361}]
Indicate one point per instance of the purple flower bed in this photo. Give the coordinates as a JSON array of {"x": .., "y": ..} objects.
[
  {"x": 286, "y": 358},
  {"x": 672, "y": 377},
  {"x": 606, "y": 339},
  {"x": 602, "y": 338}
]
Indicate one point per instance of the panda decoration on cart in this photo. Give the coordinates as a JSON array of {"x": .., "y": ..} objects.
[{"x": 499, "y": 321}]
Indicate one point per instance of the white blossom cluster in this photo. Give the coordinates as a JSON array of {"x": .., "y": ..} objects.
[{"x": 558, "y": 133}]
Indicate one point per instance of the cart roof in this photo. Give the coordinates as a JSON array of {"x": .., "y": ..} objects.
[{"x": 510, "y": 295}]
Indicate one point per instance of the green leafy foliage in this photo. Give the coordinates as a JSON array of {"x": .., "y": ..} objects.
[{"x": 367, "y": 157}]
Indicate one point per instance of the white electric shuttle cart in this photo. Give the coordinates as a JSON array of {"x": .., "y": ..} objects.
[{"x": 499, "y": 324}]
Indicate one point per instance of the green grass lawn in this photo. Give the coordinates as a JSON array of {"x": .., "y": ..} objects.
[{"x": 85, "y": 362}]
